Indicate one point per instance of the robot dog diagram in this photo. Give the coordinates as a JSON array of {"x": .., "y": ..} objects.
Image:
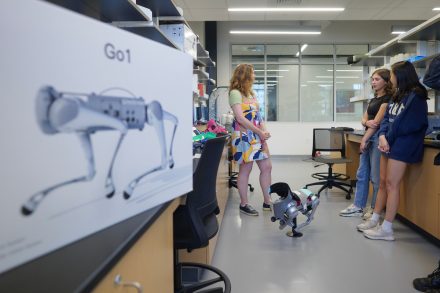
[
  {"x": 64, "y": 112},
  {"x": 289, "y": 205}
]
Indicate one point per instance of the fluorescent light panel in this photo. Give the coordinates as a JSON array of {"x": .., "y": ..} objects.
[
  {"x": 303, "y": 47},
  {"x": 397, "y": 32},
  {"x": 256, "y": 70},
  {"x": 327, "y": 76},
  {"x": 345, "y": 70},
  {"x": 304, "y": 9},
  {"x": 436, "y": 9},
  {"x": 275, "y": 32}
]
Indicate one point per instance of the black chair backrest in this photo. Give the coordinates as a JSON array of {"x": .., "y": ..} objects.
[
  {"x": 328, "y": 140},
  {"x": 203, "y": 198}
]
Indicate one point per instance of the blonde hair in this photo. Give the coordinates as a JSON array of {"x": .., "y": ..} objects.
[{"x": 242, "y": 79}]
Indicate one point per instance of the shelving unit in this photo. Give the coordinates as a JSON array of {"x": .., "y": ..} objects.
[
  {"x": 394, "y": 47},
  {"x": 369, "y": 61},
  {"x": 423, "y": 39},
  {"x": 423, "y": 63},
  {"x": 426, "y": 31},
  {"x": 126, "y": 15}
]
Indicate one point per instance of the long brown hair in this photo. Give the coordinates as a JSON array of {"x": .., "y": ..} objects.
[
  {"x": 385, "y": 74},
  {"x": 242, "y": 79}
]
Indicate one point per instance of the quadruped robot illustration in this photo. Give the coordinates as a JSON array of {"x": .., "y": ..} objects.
[
  {"x": 289, "y": 205},
  {"x": 64, "y": 112}
]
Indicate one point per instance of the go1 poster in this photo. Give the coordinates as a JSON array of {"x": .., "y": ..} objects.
[{"x": 95, "y": 126}]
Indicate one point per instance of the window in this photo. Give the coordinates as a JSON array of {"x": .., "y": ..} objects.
[
  {"x": 301, "y": 82},
  {"x": 316, "y": 93},
  {"x": 350, "y": 81},
  {"x": 282, "y": 92}
]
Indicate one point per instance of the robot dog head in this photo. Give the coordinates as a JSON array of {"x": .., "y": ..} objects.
[{"x": 283, "y": 190}]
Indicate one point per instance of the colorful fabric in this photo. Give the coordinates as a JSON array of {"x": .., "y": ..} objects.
[{"x": 246, "y": 145}]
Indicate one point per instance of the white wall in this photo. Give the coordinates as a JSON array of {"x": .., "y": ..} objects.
[{"x": 295, "y": 138}]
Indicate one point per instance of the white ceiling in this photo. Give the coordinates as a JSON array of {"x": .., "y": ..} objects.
[{"x": 217, "y": 10}]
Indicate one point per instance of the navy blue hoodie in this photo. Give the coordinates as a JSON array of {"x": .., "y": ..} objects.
[{"x": 404, "y": 127}]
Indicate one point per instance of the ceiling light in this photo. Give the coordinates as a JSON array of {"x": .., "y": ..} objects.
[
  {"x": 436, "y": 9},
  {"x": 400, "y": 29},
  {"x": 267, "y": 9},
  {"x": 275, "y": 32},
  {"x": 255, "y": 70},
  {"x": 326, "y": 76},
  {"x": 303, "y": 47},
  {"x": 345, "y": 70}
]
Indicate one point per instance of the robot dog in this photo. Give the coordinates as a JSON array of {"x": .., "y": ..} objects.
[{"x": 289, "y": 205}]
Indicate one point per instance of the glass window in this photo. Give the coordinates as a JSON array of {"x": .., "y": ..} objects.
[
  {"x": 344, "y": 51},
  {"x": 282, "y": 53},
  {"x": 316, "y": 54},
  {"x": 282, "y": 92},
  {"x": 349, "y": 84},
  {"x": 247, "y": 54},
  {"x": 301, "y": 82},
  {"x": 316, "y": 93}
]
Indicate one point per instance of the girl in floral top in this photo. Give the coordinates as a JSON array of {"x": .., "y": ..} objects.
[{"x": 249, "y": 137}]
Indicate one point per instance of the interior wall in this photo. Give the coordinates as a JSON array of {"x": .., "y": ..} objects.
[{"x": 295, "y": 138}]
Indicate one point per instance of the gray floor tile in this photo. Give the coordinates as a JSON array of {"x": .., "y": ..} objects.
[{"x": 331, "y": 257}]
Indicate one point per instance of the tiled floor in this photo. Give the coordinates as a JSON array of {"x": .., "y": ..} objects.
[{"x": 331, "y": 257}]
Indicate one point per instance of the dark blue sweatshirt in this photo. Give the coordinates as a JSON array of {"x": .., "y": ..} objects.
[{"x": 404, "y": 127}]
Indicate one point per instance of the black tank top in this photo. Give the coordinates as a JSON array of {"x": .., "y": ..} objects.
[{"x": 374, "y": 105}]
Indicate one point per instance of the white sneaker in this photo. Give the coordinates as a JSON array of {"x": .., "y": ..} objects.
[
  {"x": 379, "y": 234},
  {"x": 368, "y": 213},
  {"x": 351, "y": 211},
  {"x": 367, "y": 225}
]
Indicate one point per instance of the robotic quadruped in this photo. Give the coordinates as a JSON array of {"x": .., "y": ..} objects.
[
  {"x": 288, "y": 206},
  {"x": 86, "y": 114}
]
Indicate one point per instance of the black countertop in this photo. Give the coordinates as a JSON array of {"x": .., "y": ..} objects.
[{"x": 79, "y": 266}]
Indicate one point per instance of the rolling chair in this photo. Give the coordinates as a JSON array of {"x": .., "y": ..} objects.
[
  {"x": 330, "y": 139},
  {"x": 196, "y": 221}
]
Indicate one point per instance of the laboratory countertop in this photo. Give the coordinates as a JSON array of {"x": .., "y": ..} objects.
[
  {"x": 79, "y": 266},
  {"x": 428, "y": 143}
]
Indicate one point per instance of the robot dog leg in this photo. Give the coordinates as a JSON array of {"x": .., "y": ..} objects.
[{"x": 288, "y": 206}]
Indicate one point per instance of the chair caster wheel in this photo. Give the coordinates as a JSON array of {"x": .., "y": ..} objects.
[
  {"x": 251, "y": 189},
  {"x": 348, "y": 196},
  {"x": 273, "y": 219}
]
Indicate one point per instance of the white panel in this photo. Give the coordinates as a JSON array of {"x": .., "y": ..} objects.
[
  {"x": 296, "y": 138},
  {"x": 80, "y": 57}
]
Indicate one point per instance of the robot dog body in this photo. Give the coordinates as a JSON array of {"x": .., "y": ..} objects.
[{"x": 289, "y": 205}]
